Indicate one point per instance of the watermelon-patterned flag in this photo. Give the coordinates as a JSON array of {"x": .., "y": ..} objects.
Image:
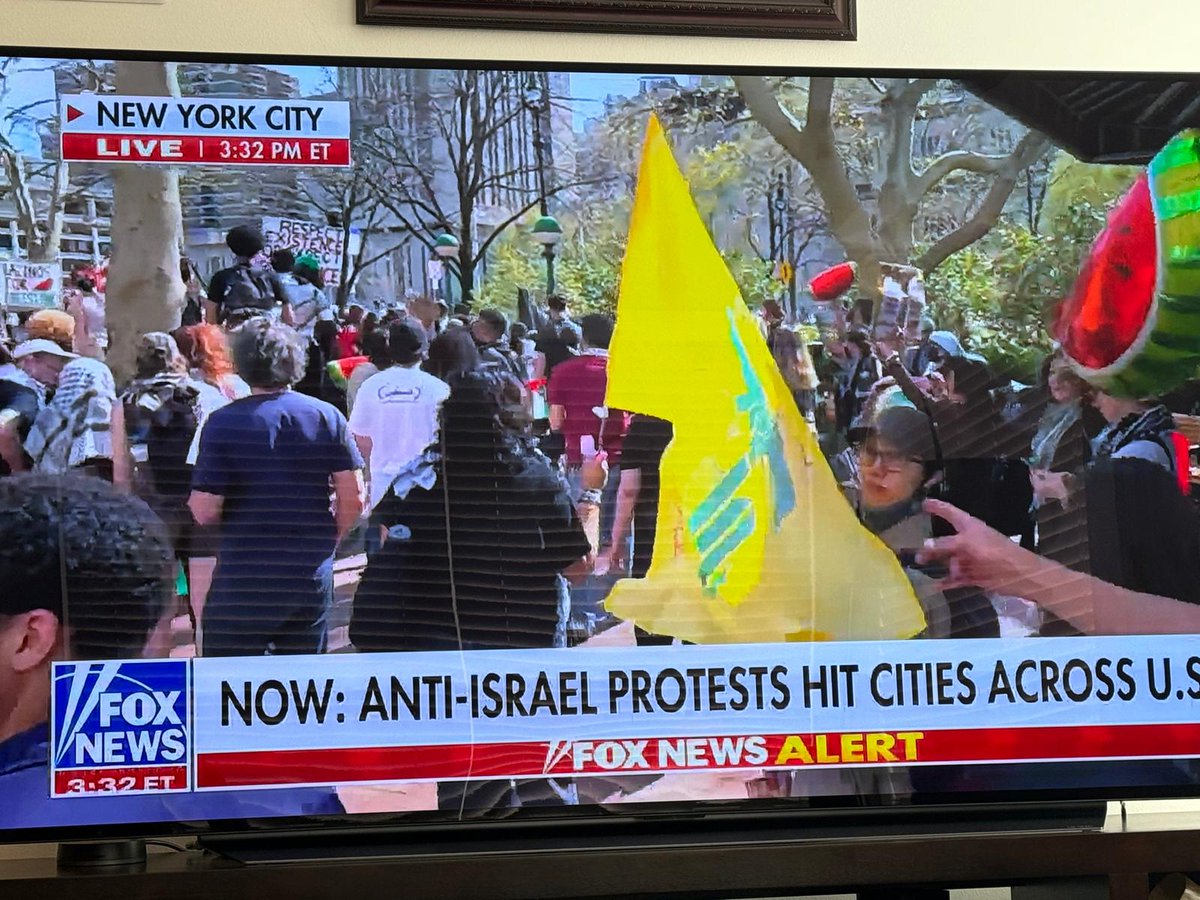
[{"x": 1131, "y": 324}]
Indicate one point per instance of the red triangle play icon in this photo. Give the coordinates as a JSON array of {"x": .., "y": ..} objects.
[{"x": 73, "y": 113}]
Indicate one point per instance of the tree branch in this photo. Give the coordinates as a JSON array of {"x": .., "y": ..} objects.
[
  {"x": 815, "y": 148},
  {"x": 960, "y": 161},
  {"x": 1028, "y": 149},
  {"x": 900, "y": 105}
]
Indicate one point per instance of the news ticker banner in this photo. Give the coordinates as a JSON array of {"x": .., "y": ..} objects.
[
  {"x": 263, "y": 722},
  {"x": 204, "y": 131}
]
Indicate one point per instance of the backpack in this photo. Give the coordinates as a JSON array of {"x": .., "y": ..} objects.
[
  {"x": 163, "y": 414},
  {"x": 247, "y": 289}
]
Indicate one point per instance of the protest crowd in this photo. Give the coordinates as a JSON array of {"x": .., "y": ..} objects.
[{"x": 458, "y": 479}]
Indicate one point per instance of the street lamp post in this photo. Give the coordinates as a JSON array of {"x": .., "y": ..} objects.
[
  {"x": 783, "y": 235},
  {"x": 537, "y": 101},
  {"x": 547, "y": 232},
  {"x": 446, "y": 248}
]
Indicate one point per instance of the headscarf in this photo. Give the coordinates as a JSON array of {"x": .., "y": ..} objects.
[{"x": 75, "y": 426}]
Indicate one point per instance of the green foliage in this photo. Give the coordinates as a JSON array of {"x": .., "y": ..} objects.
[
  {"x": 718, "y": 175},
  {"x": 999, "y": 292},
  {"x": 753, "y": 277},
  {"x": 513, "y": 263},
  {"x": 1072, "y": 182},
  {"x": 587, "y": 264}
]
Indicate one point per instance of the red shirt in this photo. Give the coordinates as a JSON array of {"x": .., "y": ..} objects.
[
  {"x": 347, "y": 341},
  {"x": 578, "y": 385}
]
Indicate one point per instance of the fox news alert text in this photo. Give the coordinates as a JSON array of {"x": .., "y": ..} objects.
[{"x": 221, "y": 723}]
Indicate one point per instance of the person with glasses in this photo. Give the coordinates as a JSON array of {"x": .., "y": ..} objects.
[{"x": 898, "y": 465}]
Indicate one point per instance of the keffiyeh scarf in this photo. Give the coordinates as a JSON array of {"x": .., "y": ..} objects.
[{"x": 75, "y": 426}]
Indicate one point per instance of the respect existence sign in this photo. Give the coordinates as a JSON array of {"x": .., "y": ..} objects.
[{"x": 265, "y": 722}]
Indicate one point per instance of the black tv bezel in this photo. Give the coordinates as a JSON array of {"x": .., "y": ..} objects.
[{"x": 1009, "y": 805}]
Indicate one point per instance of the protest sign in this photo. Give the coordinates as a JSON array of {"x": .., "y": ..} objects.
[{"x": 31, "y": 285}]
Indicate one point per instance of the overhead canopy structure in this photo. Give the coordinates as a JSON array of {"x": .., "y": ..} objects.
[{"x": 1097, "y": 118}]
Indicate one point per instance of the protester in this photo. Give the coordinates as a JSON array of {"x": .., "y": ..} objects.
[
  {"x": 243, "y": 290},
  {"x": 576, "y": 394},
  {"x": 524, "y": 348},
  {"x": 480, "y": 520},
  {"x": 307, "y": 300},
  {"x": 216, "y": 383},
  {"x": 857, "y": 370},
  {"x": 1136, "y": 429},
  {"x": 207, "y": 351},
  {"x": 265, "y": 471},
  {"x": 452, "y": 353},
  {"x": 796, "y": 366},
  {"x": 193, "y": 294},
  {"x": 396, "y": 415},
  {"x": 1058, "y": 452},
  {"x": 898, "y": 463},
  {"x": 375, "y": 349},
  {"x": 480, "y": 532},
  {"x": 162, "y": 412},
  {"x": 919, "y": 357},
  {"x": 348, "y": 332},
  {"x": 83, "y": 427},
  {"x": 490, "y": 331},
  {"x": 630, "y": 550},
  {"x": 73, "y": 549},
  {"x": 553, "y": 340},
  {"x": 37, "y": 364},
  {"x": 318, "y": 381},
  {"x": 87, "y": 307},
  {"x": 981, "y": 453},
  {"x": 430, "y": 313}
]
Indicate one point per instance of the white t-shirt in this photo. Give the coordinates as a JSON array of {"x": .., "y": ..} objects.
[
  {"x": 208, "y": 401},
  {"x": 398, "y": 410}
]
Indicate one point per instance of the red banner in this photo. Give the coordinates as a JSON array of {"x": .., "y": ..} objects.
[
  {"x": 533, "y": 759},
  {"x": 113, "y": 779},
  {"x": 216, "y": 150}
]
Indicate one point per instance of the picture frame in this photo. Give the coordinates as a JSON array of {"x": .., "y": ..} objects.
[{"x": 793, "y": 19}]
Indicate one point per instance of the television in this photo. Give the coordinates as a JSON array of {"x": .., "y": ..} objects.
[{"x": 399, "y": 446}]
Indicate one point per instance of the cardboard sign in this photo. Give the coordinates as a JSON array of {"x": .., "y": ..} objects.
[
  {"x": 326, "y": 242},
  {"x": 204, "y": 131},
  {"x": 31, "y": 285}
]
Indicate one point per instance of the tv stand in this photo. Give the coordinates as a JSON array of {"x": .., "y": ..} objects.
[
  {"x": 630, "y": 830},
  {"x": 1113, "y": 863}
]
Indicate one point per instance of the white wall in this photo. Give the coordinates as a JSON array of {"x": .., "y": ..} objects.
[
  {"x": 1111, "y": 35},
  {"x": 1001, "y": 34}
]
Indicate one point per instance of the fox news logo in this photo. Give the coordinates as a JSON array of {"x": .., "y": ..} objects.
[{"x": 120, "y": 715}]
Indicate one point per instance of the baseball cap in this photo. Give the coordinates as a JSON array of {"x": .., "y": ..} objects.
[
  {"x": 41, "y": 345},
  {"x": 407, "y": 341}
]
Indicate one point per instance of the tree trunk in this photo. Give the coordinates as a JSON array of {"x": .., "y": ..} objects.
[
  {"x": 466, "y": 254},
  {"x": 345, "y": 281},
  {"x": 145, "y": 292},
  {"x": 42, "y": 239},
  {"x": 814, "y": 146}
]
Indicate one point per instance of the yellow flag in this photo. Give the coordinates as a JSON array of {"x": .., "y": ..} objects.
[{"x": 755, "y": 541}]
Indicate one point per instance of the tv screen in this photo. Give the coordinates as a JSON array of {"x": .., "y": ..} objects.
[{"x": 386, "y": 443}]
